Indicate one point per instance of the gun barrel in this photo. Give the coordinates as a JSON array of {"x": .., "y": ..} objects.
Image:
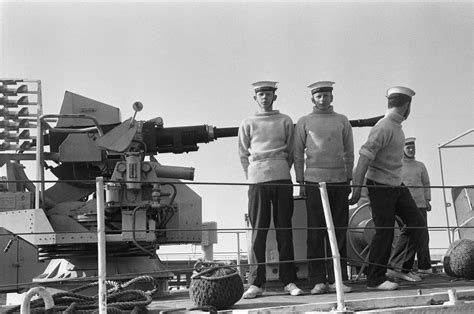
[
  {"x": 225, "y": 132},
  {"x": 365, "y": 122},
  {"x": 180, "y": 140},
  {"x": 232, "y": 132},
  {"x": 175, "y": 140}
]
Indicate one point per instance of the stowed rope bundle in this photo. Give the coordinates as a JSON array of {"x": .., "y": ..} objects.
[
  {"x": 215, "y": 284},
  {"x": 118, "y": 299}
]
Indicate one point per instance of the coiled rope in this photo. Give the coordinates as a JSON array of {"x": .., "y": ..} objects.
[{"x": 118, "y": 299}]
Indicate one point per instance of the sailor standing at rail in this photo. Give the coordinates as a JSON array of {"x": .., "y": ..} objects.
[
  {"x": 266, "y": 152},
  {"x": 415, "y": 176},
  {"x": 326, "y": 138},
  {"x": 381, "y": 161}
]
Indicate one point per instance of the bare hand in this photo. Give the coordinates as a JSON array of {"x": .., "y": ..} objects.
[
  {"x": 302, "y": 190},
  {"x": 355, "y": 195},
  {"x": 428, "y": 205}
]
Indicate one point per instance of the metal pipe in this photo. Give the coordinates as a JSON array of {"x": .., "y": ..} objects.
[
  {"x": 82, "y": 130},
  {"x": 456, "y": 138},
  {"x": 457, "y": 146},
  {"x": 76, "y": 116},
  {"x": 175, "y": 192},
  {"x": 444, "y": 195},
  {"x": 134, "y": 240},
  {"x": 334, "y": 246},
  {"x": 43, "y": 293},
  {"x": 174, "y": 172},
  {"x": 445, "y": 145},
  {"x": 39, "y": 187},
  {"x": 39, "y": 184},
  {"x": 208, "y": 252},
  {"x": 238, "y": 253},
  {"x": 101, "y": 262}
]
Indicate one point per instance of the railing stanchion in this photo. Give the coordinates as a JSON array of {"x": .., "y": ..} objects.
[
  {"x": 39, "y": 184},
  {"x": 334, "y": 247},
  {"x": 239, "y": 268},
  {"x": 101, "y": 245},
  {"x": 444, "y": 197}
]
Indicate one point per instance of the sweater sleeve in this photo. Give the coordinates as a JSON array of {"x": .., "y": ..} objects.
[
  {"x": 377, "y": 139},
  {"x": 425, "y": 180},
  {"x": 290, "y": 131},
  {"x": 348, "y": 156},
  {"x": 243, "y": 147},
  {"x": 299, "y": 144}
]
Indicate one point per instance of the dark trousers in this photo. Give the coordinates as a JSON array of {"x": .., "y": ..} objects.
[
  {"x": 386, "y": 202},
  {"x": 321, "y": 269},
  {"x": 261, "y": 200},
  {"x": 423, "y": 253}
]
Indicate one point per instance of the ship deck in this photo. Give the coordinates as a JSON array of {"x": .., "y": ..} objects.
[{"x": 426, "y": 296}]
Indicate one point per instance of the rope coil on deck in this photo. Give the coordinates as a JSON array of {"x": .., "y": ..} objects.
[{"x": 118, "y": 300}]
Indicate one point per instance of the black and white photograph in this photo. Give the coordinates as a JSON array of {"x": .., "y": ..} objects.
[{"x": 248, "y": 156}]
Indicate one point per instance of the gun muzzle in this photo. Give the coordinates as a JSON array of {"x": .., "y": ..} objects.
[
  {"x": 365, "y": 122},
  {"x": 225, "y": 132}
]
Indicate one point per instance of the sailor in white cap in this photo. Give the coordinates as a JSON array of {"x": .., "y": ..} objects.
[
  {"x": 266, "y": 154},
  {"x": 321, "y": 86},
  {"x": 380, "y": 161},
  {"x": 325, "y": 137},
  {"x": 399, "y": 95},
  {"x": 416, "y": 178},
  {"x": 265, "y": 86}
]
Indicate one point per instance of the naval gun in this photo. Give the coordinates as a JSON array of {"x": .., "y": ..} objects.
[{"x": 146, "y": 204}]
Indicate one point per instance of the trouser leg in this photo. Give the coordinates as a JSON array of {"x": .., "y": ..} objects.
[
  {"x": 423, "y": 253},
  {"x": 259, "y": 211},
  {"x": 321, "y": 270},
  {"x": 338, "y": 200},
  {"x": 282, "y": 214},
  {"x": 382, "y": 202},
  {"x": 317, "y": 235},
  {"x": 412, "y": 236}
]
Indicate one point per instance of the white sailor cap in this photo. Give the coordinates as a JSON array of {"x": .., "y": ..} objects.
[
  {"x": 410, "y": 140},
  {"x": 265, "y": 86},
  {"x": 321, "y": 86},
  {"x": 397, "y": 90}
]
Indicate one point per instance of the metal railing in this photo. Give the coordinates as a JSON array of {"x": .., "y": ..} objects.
[{"x": 237, "y": 232}]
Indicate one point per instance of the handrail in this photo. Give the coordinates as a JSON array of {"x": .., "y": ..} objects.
[
  {"x": 445, "y": 145},
  {"x": 456, "y": 138},
  {"x": 334, "y": 247},
  {"x": 101, "y": 259},
  {"x": 40, "y": 182}
]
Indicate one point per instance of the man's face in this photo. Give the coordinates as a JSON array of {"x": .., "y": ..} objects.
[
  {"x": 407, "y": 112},
  {"x": 322, "y": 99},
  {"x": 410, "y": 150},
  {"x": 265, "y": 99}
]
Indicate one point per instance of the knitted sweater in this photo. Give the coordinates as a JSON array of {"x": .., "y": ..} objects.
[
  {"x": 414, "y": 173},
  {"x": 326, "y": 137},
  {"x": 384, "y": 149},
  {"x": 266, "y": 146}
]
